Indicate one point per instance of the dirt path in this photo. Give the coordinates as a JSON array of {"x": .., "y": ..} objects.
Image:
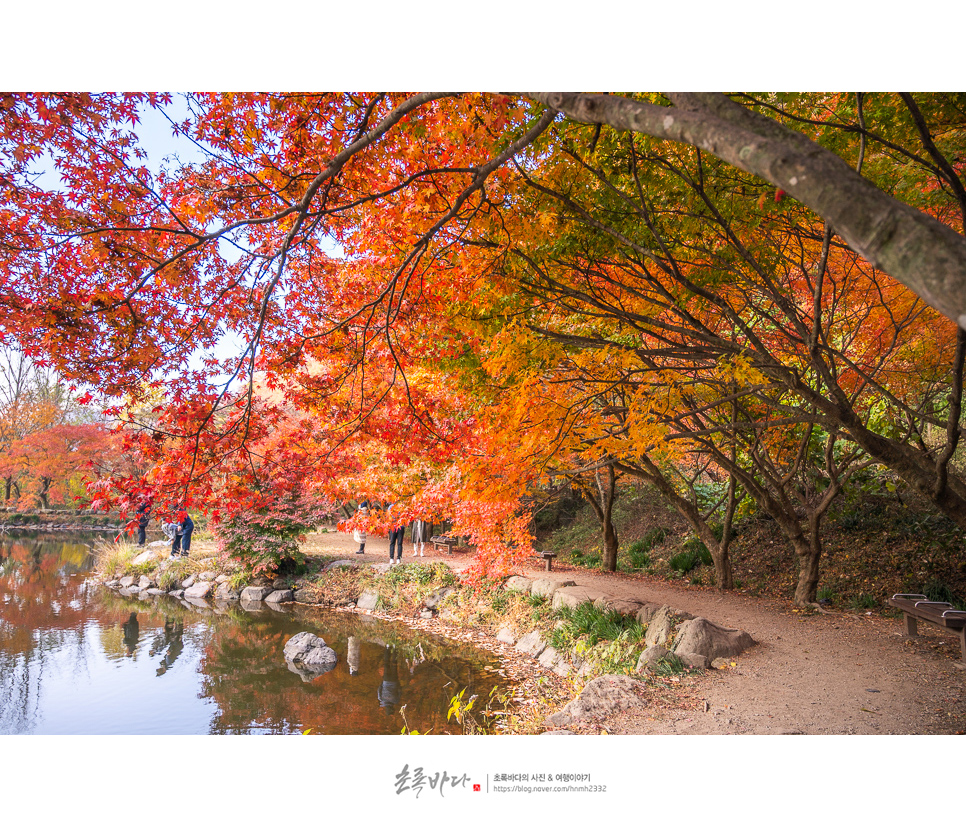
[{"x": 837, "y": 673}]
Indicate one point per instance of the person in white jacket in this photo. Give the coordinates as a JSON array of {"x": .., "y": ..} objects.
[{"x": 360, "y": 535}]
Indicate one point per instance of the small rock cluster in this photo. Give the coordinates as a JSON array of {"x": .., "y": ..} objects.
[
  {"x": 696, "y": 642},
  {"x": 197, "y": 589}
]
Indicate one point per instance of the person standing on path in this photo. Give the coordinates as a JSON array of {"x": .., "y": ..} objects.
[
  {"x": 187, "y": 528},
  {"x": 183, "y": 528},
  {"x": 143, "y": 516},
  {"x": 360, "y": 535},
  {"x": 396, "y": 536},
  {"x": 420, "y": 533}
]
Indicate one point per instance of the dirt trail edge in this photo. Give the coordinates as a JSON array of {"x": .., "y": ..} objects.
[{"x": 824, "y": 674}]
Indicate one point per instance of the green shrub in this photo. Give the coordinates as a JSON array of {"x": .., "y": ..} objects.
[
  {"x": 639, "y": 552},
  {"x": 593, "y": 625},
  {"x": 829, "y": 594},
  {"x": 640, "y": 559},
  {"x": 863, "y": 601},
  {"x": 683, "y": 562},
  {"x": 267, "y": 537},
  {"x": 938, "y": 590},
  {"x": 693, "y": 552},
  {"x": 652, "y": 538},
  {"x": 169, "y": 578},
  {"x": 578, "y": 558},
  {"x": 404, "y": 587}
]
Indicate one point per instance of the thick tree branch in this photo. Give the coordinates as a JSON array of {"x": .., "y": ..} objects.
[{"x": 925, "y": 255}]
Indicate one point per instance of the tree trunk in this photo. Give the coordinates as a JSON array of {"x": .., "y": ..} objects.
[
  {"x": 808, "y": 552},
  {"x": 610, "y": 544},
  {"x": 601, "y": 500},
  {"x": 724, "y": 578}
]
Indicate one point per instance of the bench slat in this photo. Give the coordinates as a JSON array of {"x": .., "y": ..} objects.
[
  {"x": 931, "y": 612},
  {"x": 954, "y": 619}
]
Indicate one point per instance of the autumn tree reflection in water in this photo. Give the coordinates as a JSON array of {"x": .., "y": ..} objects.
[
  {"x": 382, "y": 667},
  {"x": 77, "y": 658}
]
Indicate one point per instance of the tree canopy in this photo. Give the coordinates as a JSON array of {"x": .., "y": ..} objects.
[{"x": 443, "y": 297}]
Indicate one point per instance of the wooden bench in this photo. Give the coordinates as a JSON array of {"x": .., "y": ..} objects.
[
  {"x": 915, "y": 607},
  {"x": 548, "y": 556},
  {"x": 443, "y": 541}
]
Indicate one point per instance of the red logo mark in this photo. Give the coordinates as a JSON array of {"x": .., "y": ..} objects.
[{"x": 476, "y": 787}]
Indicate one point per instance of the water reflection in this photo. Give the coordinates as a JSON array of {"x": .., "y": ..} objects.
[{"x": 77, "y": 658}]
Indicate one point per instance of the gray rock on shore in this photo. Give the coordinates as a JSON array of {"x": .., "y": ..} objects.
[
  {"x": 198, "y": 590},
  {"x": 254, "y": 593}
]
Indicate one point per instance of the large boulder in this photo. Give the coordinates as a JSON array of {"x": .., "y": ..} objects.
[
  {"x": 573, "y": 595},
  {"x": 647, "y": 611},
  {"x": 599, "y": 698},
  {"x": 280, "y": 596},
  {"x": 693, "y": 661},
  {"x": 368, "y": 600},
  {"x": 339, "y": 563},
  {"x": 547, "y": 587},
  {"x": 519, "y": 583},
  {"x": 660, "y": 627},
  {"x": 625, "y": 607},
  {"x": 308, "y": 655},
  {"x": 650, "y": 658},
  {"x": 703, "y": 637}
]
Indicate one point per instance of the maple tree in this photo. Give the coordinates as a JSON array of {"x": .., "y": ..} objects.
[
  {"x": 375, "y": 251},
  {"x": 658, "y": 297},
  {"x": 30, "y": 401},
  {"x": 53, "y": 462}
]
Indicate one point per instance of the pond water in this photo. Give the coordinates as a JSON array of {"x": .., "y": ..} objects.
[{"x": 75, "y": 658}]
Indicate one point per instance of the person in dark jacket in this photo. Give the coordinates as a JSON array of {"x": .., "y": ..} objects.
[
  {"x": 181, "y": 543},
  {"x": 396, "y": 535},
  {"x": 143, "y": 516}
]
